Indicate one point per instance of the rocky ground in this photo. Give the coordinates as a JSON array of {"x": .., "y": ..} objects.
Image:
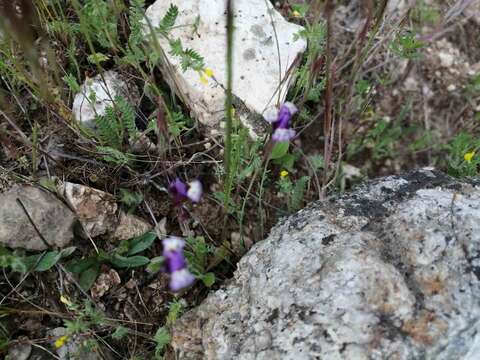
[{"x": 82, "y": 215}]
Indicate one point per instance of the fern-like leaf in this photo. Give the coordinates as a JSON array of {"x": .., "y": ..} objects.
[
  {"x": 299, "y": 192},
  {"x": 109, "y": 129},
  {"x": 168, "y": 21},
  {"x": 114, "y": 156},
  {"x": 126, "y": 114}
]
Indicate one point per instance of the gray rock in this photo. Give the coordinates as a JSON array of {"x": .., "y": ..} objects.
[
  {"x": 390, "y": 271},
  {"x": 54, "y": 220},
  {"x": 20, "y": 351},
  {"x": 256, "y": 60},
  {"x": 98, "y": 93}
]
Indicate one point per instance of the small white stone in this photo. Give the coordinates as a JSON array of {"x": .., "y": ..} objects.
[
  {"x": 97, "y": 93},
  {"x": 446, "y": 59},
  {"x": 410, "y": 84},
  {"x": 451, "y": 87}
]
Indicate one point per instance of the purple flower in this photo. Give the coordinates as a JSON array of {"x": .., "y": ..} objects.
[
  {"x": 175, "y": 263},
  {"x": 281, "y": 121},
  {"x": 181, "y": 191}
]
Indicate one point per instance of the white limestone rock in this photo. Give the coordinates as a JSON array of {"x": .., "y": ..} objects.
[
  {"x": 98, "y": 93},
  {"x": 390, "y": 271},
  {"x": 256, "y": 57}
]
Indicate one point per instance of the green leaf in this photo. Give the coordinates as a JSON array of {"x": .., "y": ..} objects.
[
  {"x": 72, "y": 83},
  {"x": 88, "y": 277},
  {"x": 162, "y": 338},
  {"x": 78, "y": 266},
  {"x": 317, "y": 161},
  {"x": 141, "y": 243},
  {"x": 43, "y": 262},
  {"x": 127, "y": 262},
  {"x": 279, "y": 150},
  {"x": 97, "y": 58},
  {"x": 120, "y": 332},
  {"x": 67, "y": 251},
  {"x": 17, "y": 264},
  {"x": 169, "y": 19},
  {"x": 287, "y": 161},
  {"x": 208, "y": 279},
  {"x": 130, "y": 198},
  {"x": 175, "y": 309},
  {"x": 299, "y": 192},
  {"x": 155, "y": 264}
]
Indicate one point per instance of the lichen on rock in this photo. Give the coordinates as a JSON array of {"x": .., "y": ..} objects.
[{"x": 390, "y": 270}]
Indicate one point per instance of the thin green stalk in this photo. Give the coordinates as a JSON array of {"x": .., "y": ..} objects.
[
  {"x": 260, "y": 194},
  {"x": 228, "y": 106}
]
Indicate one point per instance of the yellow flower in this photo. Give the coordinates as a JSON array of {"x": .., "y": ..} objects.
[
  {"x": 296, "y": 14},
  {"x": 469, "y": 156},
  {"x": 203, "y": 79},
  {"x": 65, "y": 300},
  {"x": 205, "y": 74},
  {"x": 208, "y": 72},
  {"x": 61, "y": 341},
  {"x": 284, "y": 173}
]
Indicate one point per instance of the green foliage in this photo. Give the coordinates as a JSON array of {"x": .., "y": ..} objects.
[
  {"x": 86, "y": 318},
  {"x": 114, "y": 156},
  {"x": 460, "y": 164},
  {"x": 9, "y": 259},
  {"x": 300, "y": 8},
  {"x": 97, "y": 58},
  {"x": 141, "y": 243},
  {"x": 175, "y": 309},
  {"x": 47, "y": 260},
  {"x": 406, "y": 45},
  {"x": 380, "y": 140},
  {"x": 135, "y": 17},
  {"x": 99, "y": 19},
  {"x": 130, "y": 198},
  {"x": 295, "y": 192},
  {"x": 61, "y": 28},
  {"x": 120, "y": 332},
  {"x": 473, "y": 87},
  {"x": 198, "y": 255},
  {"x": 118, "y": 120},
  {"x": 72, "y": 83},
  {"x": 155, "y": 264},
  {"x": 177, "y": 123},
  {"x": 168, "y": 21},
  {"x": 424, "y": 13},
  {"x": 279, "y": 150},
  {"x": 315, "y": 35},
  {"x": 125, "y": 256},
  {"x": 38, "y": 262},
  {"x": 162, "y": 338},
  {"x": 189, "y": 58}
]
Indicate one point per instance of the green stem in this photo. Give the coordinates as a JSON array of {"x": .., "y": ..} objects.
[{"x": 228, "y": 106}]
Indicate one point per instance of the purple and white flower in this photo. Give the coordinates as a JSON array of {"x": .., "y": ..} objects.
[
  {"x": 281, "y": 121},
  {"x": 182, "y": 192},
  {"x": 175, "y": 263}
]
